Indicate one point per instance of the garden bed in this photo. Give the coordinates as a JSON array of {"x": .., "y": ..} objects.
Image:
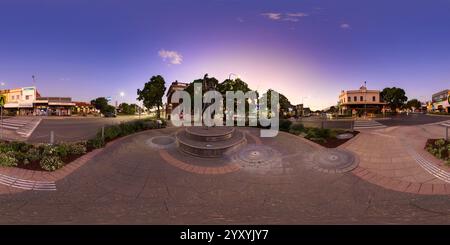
[
  {"x": 48, "y": 157},
  {"x": 334, "y": 142},
  {"x": 439, "y": 148},
  {"x": 322, "y": 136}
]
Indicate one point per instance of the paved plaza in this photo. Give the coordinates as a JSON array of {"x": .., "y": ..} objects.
[{"x": 375, "y": 178}]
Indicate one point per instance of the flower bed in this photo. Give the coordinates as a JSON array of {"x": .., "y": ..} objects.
[
  {"x": 323, "y": 136},
  {"x": 440, "y": 148},
  {"x": 49, "y": 157}
]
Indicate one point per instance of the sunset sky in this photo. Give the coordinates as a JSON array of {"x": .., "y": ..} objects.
[{"x": 306, "y": 49}]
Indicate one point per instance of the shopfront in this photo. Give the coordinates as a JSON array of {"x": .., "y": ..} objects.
[{"x": 53, "y": 106}]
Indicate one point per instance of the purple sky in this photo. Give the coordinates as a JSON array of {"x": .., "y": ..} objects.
[{"x": 309, "y": 50}]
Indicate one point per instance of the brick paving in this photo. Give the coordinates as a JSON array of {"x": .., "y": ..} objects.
[
  {"x": 388, "y": 158},
  {"x": 131, "y": 183}
]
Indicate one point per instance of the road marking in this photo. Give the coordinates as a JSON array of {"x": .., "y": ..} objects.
[
  {"x": 368, "y": 125},
  {"x": 23, "y": 127},
  {"x": 429, "y": 166},
  {"x": 27, "y": 184}
]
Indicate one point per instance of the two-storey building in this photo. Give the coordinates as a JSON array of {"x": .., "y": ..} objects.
[{"x": 361, "y": 102}]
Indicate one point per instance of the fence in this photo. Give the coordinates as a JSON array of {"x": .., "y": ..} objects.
[
  {"x": 327, "y": 124},
  {"x": 54, "y": 138}
]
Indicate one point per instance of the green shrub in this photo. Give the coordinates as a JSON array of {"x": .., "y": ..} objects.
[
  {"x": 95, "y": 143},
  {"x": 296, "y": 128},
  {"x": 62, "y": 150},
  {"x": 33, "y": 154},
  {"x": 126, "y": 128},
  {"x": 112, "y": 132},
  {"x": 7, "y": 159},
  {"x": 20, "y": 156},
  {"x": 439, "y": 142},
  {"x": 323, "y": 133},
  {"x": 48, "y": 150},
  {"x": 285, "y": 125},
  {"x": 51, "y": 163},
  {"x": 439, "y": 148},
  {"x": 19, "y": 146},
  {"x": 139, "y": 125},
  {"x": 77, "y": 149}
]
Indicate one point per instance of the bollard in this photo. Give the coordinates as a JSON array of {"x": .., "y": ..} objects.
[
  {"x": 52, "y": 137},
  {"x": 103, "y": 132},
  {"x": 446, "y": 133}
]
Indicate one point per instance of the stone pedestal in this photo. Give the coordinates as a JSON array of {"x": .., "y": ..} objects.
[{"x": 209, "y": 141}]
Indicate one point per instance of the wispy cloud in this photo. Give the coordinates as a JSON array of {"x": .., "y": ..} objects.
[
  {"x": 272, "y": 16},
  {"x": 173, "y": 57},
  {"x": 298, "y": 14},
  {"x": 345, "y": 26},
  {"x": 240, "y": 19},
  {"x": 64, "y": 79},
  {"x": 292, "y": 17}
]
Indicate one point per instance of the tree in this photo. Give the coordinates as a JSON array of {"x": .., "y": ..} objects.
[
  {"x": 233, "y": 85},
  {"x": 127, "y": 109},
  {"x": 413, "y": 104},
  {"x": 101, "y": 103},
  {"x": 284, "y": 102},
  {"x": 152, "y": 93},
  {"x": 394, "y": 97},
  {"x": 190, "y": 87}
]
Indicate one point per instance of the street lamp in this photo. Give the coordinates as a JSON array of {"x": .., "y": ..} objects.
[
  {"x": 303, "y": 105},
  {"x": 2, "y": 84},
  {"x": 229, "y": 76},
  {"x": 365, "y": 99}
]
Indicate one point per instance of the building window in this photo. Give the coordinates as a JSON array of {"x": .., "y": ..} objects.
[
  {"x": 27, "y": 97},
  {"x": 17, "y": 96},
  {"x": 12, "y": 97},
  {"x": 355, "y": 98},
  {"x": 349, "y": 99},
  {"x": 361, "y": 98},
  {"x": 374, "y": 99}
]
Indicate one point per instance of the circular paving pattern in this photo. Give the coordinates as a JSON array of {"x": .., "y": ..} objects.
[
  {"x": 334, "y": 161},
  {"x": 257, "y": 157},
  {"x": 161, "y": 142}
]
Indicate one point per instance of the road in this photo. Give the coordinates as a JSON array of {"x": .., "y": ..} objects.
[
  {"x": 413, "y": 119},
  {"x": 72, "y": 129},
  {"x": 75, "y": 129}
]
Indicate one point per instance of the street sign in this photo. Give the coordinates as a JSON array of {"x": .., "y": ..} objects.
[{"x": 2, "y": 100}]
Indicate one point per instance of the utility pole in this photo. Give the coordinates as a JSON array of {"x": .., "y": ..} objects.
[
  {"x": 2, "y": 104},
  {"x": 365, "y": 99}
]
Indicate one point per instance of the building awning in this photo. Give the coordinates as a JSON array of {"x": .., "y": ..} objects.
[
  {"x": 11, "y": 105},
  {"x": 61, "y": 103}
]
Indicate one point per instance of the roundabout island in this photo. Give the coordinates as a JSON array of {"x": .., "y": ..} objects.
[{"x": 151, "y": 178}]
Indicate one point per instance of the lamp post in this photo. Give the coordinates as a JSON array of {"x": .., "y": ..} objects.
[
  {"x": 365, "y": 99},
  {"x": 229, "y": 76},
  {"x": 303, "y": 105},
  {"x": 122, "y": 94},
  {"x": 2, "y": 104}
]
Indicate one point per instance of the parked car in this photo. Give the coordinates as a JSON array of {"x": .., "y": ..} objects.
[{"x": 110, "y": 114}]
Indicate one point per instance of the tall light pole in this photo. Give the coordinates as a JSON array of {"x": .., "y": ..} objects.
[
  {"x": 229, "y": 76},
  {"x": 365, "y": 99},
  {"x": 2, "y": 84},
  {"x": 122, "y": 94},
  {"x": 303, "y": 105}
]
